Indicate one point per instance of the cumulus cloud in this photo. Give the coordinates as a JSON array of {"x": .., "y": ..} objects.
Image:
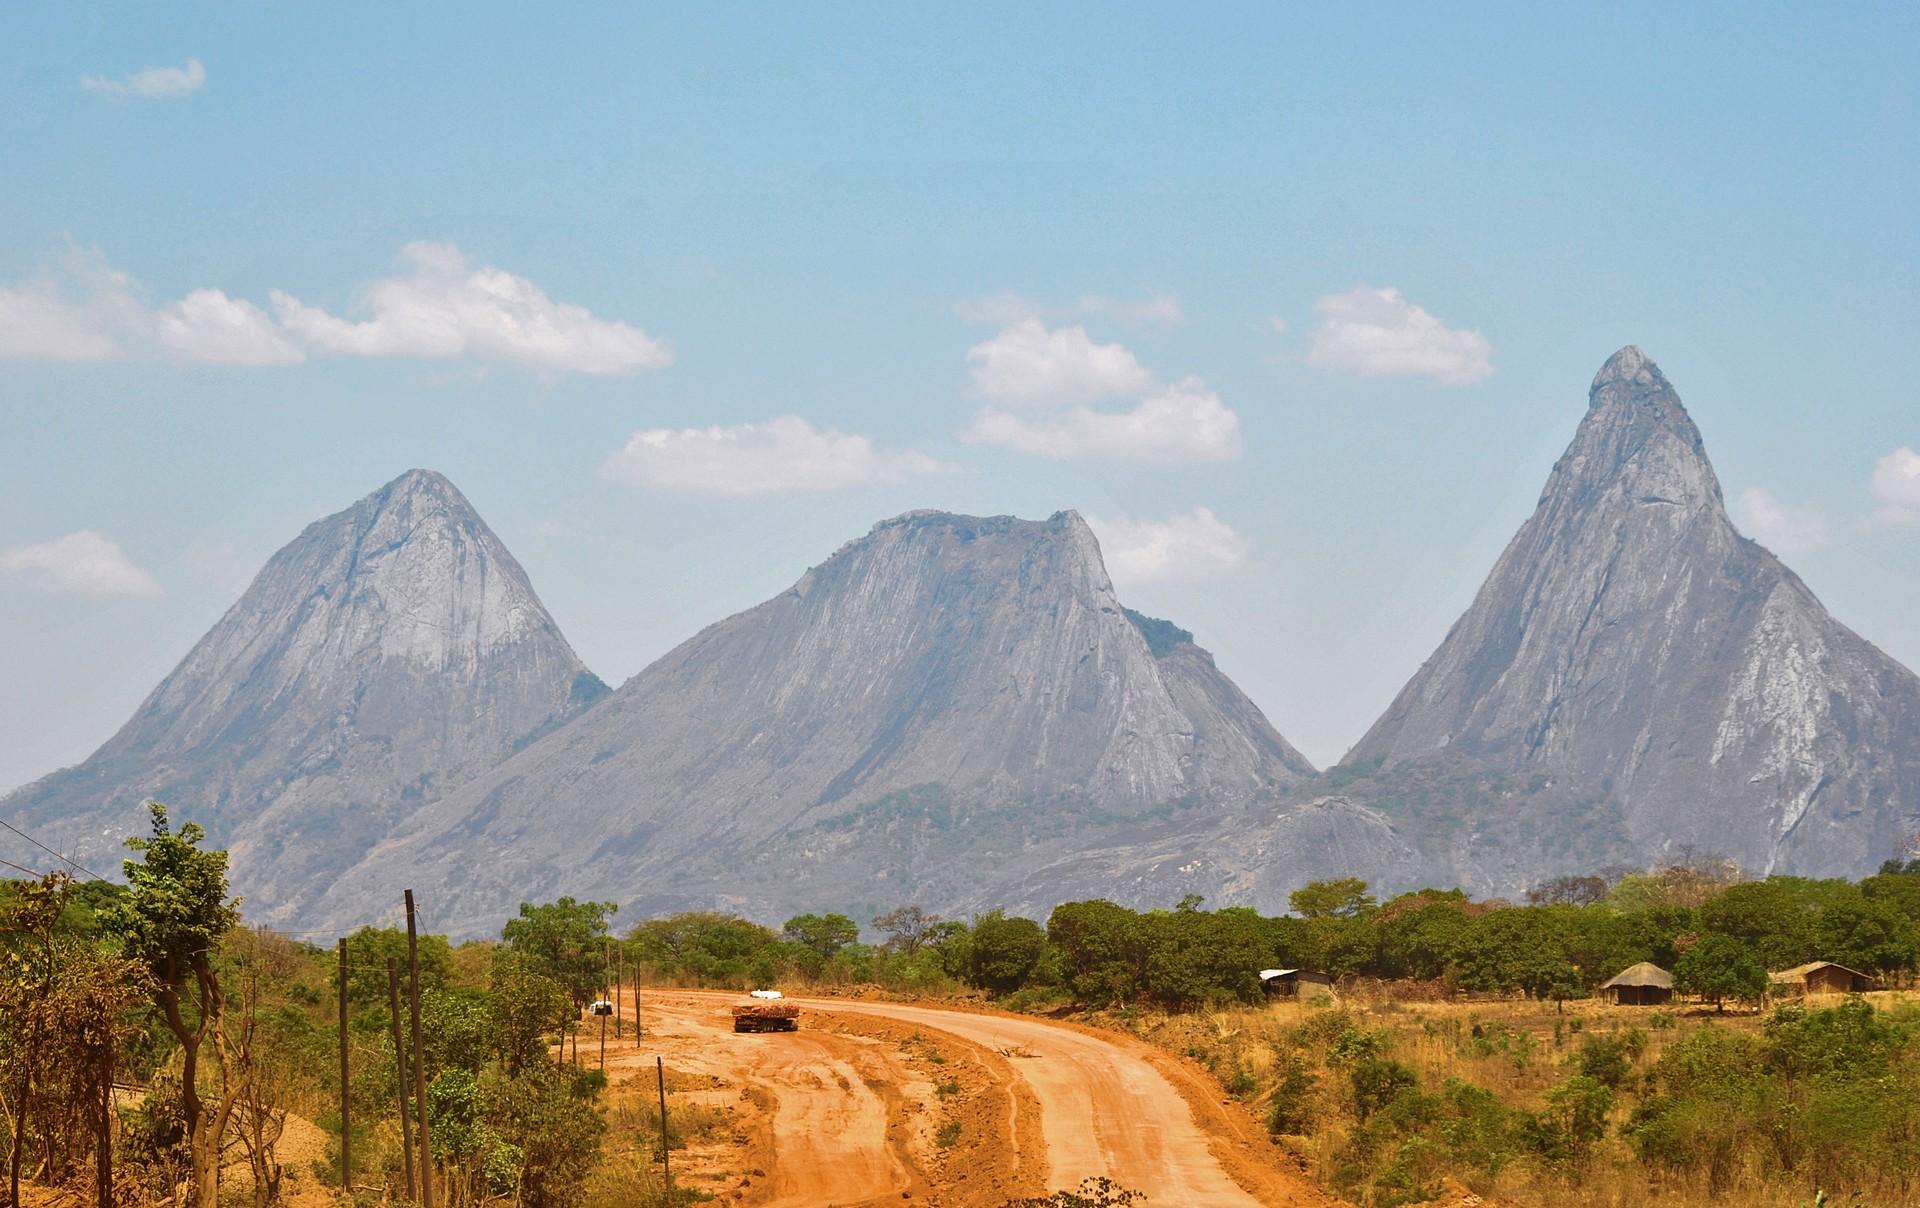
[
  {"x": 776, "y": 457},
  {"x": 443, "y": 307},
  {"x": 1896, "y": 488},
  {"x": 1007, "y": 308},
  {"x": 1184, "y": 422},
  {"x": 78, "y": 309},
  {"x": 1780, "y": 527},
  {"x": 1029, "y": 364},
  {"x": 207, "y": 325},
  {"x": 1186, "y": 547},
  {"x": 151, "y": 83},
  {"x": 1376, "y": 332},
  {"x": 81, "y": 309},
  {"x": 85, "y": 563}
]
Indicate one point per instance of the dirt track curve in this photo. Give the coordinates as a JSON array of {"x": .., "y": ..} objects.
[{"x": 847, "y": 1110}]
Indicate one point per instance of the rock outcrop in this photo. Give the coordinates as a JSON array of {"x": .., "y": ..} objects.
[
  {"x": 1636, "y": 679},
  {"x": 935, "y": 702},
  {"x": 388, "y": 653}
]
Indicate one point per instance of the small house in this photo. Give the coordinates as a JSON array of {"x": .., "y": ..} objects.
[
  {"x": 1822, "y": 977},
  {"x": 1643, "y": 985},
  {"x": 1294, "y": 983}
]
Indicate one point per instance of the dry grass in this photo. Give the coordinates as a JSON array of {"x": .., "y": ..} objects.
[{"x": 1520, "y": 1053}]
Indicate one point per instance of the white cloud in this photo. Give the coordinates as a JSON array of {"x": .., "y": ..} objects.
[
  {"x": 1186, "y": 547},
  {"x": 1780, "y": 527},
  {"x": 1007, "y": 308},
  {"x": 1027, "y": 363},
  {"x": 445, "y": 308},
  {"x": 1185, "y": 422},
  {"x": 207, "y": 325},
  {"x": 81, "y": 309},
  {"x": 1896, "y": 488},
  {"x": 85, "y": 563},
  {"x": 78, "y": 309},
  {"x": 1376, "y": 332},
  {"x": 153, "y": 83},
  {"x": 775, "y": 457}
]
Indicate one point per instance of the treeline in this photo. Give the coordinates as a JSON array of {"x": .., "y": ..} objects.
[{"x": 1718, "y": 933}]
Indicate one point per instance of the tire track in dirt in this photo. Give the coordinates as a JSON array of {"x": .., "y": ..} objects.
[{"x": 1109, "y": 1106}]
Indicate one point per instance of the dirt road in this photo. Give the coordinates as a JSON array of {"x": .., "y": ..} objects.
[{"x": 854, "y": 1115}]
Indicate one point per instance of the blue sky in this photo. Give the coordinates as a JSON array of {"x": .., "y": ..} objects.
[{"x": 1299, "y": 305}]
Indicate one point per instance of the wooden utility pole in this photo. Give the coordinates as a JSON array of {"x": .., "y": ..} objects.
[
  {"x": 103, "y": 1137},
  {"x": 666, "y": 1168},
  {"x": 603, "y": 1044},
  {"x": 637, "y": 1032},
  {"x": 618, "y": 974},
  {"x": 419, "y": 1066},
  {"x": 400, "y": 1070},
  {"x": 346, "y": 1086}
]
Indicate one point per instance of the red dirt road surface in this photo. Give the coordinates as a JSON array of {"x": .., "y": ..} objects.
[{"x": 874, "y": 1102}]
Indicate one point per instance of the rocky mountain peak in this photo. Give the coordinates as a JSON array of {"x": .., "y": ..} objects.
[
  {"x": 1636, "y": 442},
  {"x": 388, "y": 652},
  {"x": 1633, "y": 649},
  {"x": 931, "y": 700}
]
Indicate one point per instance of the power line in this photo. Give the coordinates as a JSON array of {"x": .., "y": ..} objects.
[
  {"x": 23, "y": 868},
  {"x": 56, "y": 855}
]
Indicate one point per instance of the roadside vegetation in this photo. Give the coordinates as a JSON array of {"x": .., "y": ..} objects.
[{"x": 153, "y": 1048}]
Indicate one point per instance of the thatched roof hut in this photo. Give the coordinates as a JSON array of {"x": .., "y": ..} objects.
[{"x": 1643, "y": 985}]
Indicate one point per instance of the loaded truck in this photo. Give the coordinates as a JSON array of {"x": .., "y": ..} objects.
[{"x": 766, "y": 1013}]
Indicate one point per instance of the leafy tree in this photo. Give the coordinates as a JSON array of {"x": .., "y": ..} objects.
[
  {"x": 569, "y": 938},
  {"x": 1866, "y": 934},
  {"x": 1774, "y": 918},
  {"x": 1569, "y": 891},
  {"x": 1104, "y": 949},
  {"x": 1719, "y": 967},
  {"x": 370, "y": 948},
  {"x": 525, "y": 1004},
  {"x": 823, "y": 935},
  {"x": 1004, "y": 951},
  {"x": 1339, "y": 899},
  {"x": 173, "y": 920}
]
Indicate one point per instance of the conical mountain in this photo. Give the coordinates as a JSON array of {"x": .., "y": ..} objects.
[
  {"x": 934, "y": 699},
  {"x": 1671, "y": 681},
  {"x": 386, "y": 654}
]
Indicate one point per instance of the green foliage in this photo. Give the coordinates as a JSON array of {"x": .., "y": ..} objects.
[
  {"x": 1573, "y": 1122},
  {"x": 569, "y": 938},
  {"x": 1338, "y": 899},
  {"x": 1289, "y": 1108},
  {"x": 370, "y": 948},
  {"x": 175, "y": 911},
  {"x": 820, "y": 936},
  {"x": 1377, "y": 1082},
  {"x": 1005, "y": 951},
  {"x": 1162, "y": 636},
  {"x": 1721, "y": 967},
  {"x": 1609, "y": 1060}
]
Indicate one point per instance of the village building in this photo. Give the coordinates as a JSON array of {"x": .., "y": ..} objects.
[
  {"x": 1643, "y": 985},
  {"x": 1294, "y": 983},
  {"x": 1821, "y": 977}
]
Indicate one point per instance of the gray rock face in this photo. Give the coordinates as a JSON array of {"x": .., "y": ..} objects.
[
  {"x": 1668, "y": 678},
  {"x": 388, "y": 653},
  {"x": 930, "y": 702}
]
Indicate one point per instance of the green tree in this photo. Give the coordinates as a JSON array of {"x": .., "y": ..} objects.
[
  {"x": 525, "y": 1004},
  {"x": 569, "y": 938},
  {"x": 173, "y": 919},
  {"x": 1719, "y": 967},
  {"x": 1866, "y": 934},
  {"x": 1104, "y": 949},
  {"x": 822, "y": 935},
  {"x": 1339, "y": 899},
  {"x": 1005, "y": 951}
]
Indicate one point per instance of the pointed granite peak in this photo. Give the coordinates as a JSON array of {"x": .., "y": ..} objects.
[{"x": 1629, "y": 367}]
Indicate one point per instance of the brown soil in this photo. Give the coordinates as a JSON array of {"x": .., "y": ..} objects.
[{"x": 1023, "y": 1106}]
